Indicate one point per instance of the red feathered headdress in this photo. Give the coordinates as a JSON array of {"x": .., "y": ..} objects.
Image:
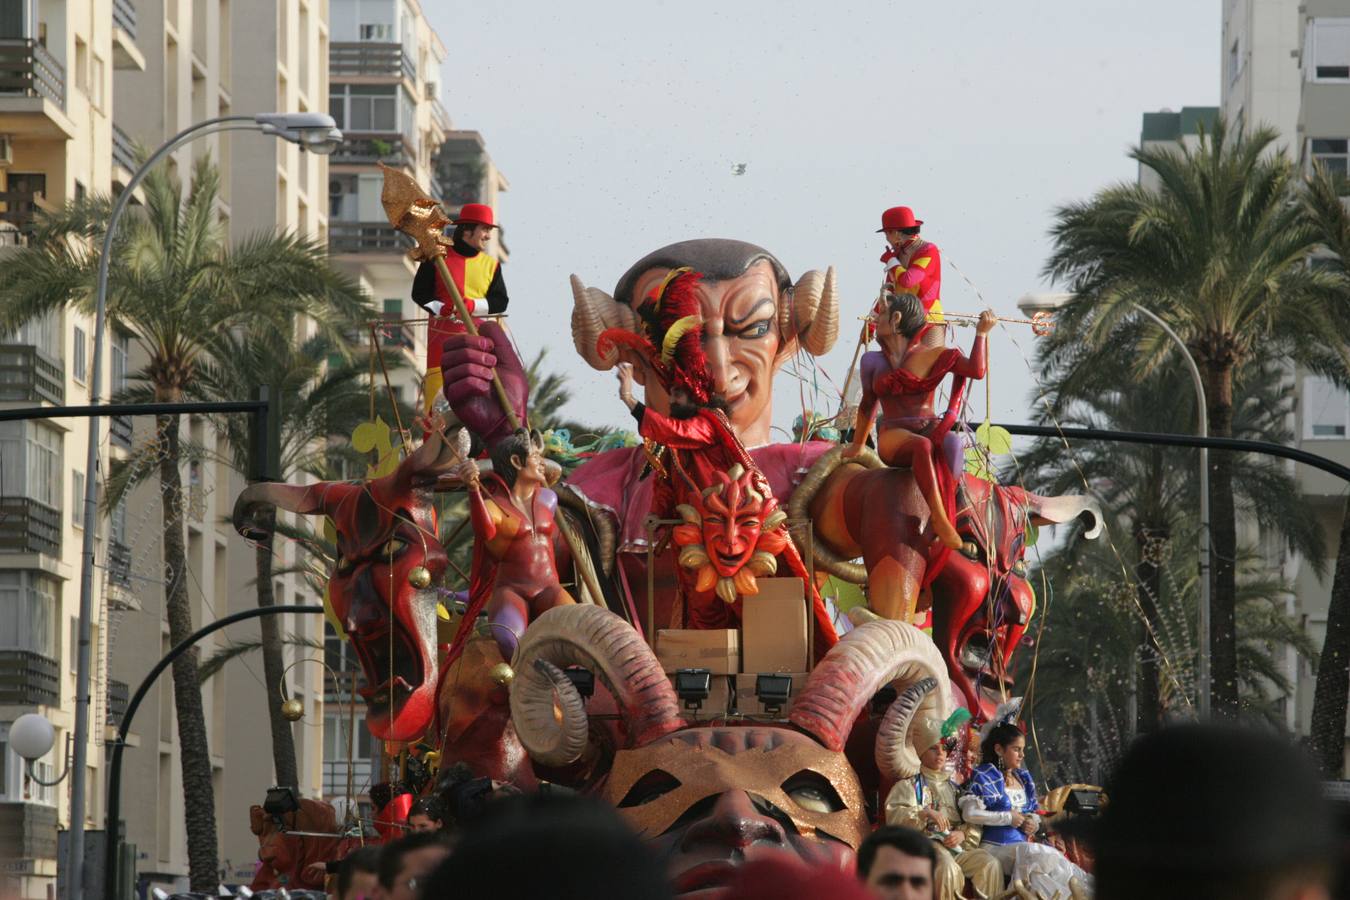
[{"x": 672, "y": 342}]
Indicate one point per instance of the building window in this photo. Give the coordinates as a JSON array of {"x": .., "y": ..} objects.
[
  {"x": 79, "y": 364},
  {"x": 30, "y": 463},
  {"x": 117, "y": 522},
  {"x": 28, "y": 604},
  {"x": 1326, "y": 49},
  {"x": 1326, "y": 410},
  {"x": 77, "y": 498},
  {"x": 121, "y": 349},
  {"x": 365, "y": 107},
  {"x": 377, "y": 32},
  {"x": 42, "y": 332},
  {"x": 1333, "y": 153}
]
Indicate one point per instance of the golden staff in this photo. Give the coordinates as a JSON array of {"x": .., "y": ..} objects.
[
  {"x": 1042, "y": 323},
  {"x": 415, "y": 214}
]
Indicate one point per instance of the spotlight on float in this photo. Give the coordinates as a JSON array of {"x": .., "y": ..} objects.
[
  {"x": 583, "y": 680},
  {"x": 693, "y": 686},
  {"x": 773, "y": 691}
]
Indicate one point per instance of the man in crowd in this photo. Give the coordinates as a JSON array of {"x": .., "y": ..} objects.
[
  {"x": 1212, "y": 811},
  {"x": 405, "y": 863},
  {"x": 898, "y": 863}
]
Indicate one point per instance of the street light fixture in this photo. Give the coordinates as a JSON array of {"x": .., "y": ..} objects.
[
  {"x": 1030, "y": 303},
  {"x": 315, "y": 132}
]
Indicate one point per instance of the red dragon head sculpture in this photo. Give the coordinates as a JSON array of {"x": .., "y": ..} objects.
[
  {"x": 982, "y": 601},
  {"x": 381, "y": 589},
  {"x": 731, "y": 535},
  {"x": 707, "y": 795}
]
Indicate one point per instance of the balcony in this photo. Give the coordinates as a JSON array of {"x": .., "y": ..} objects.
[
  {"x": 27, "y": 526},
  {"x": 394, "y": 332},
  {"x": 365, "y": 237},
  {"x": 119, "y": 564},
  {"x": 27, "y": 375},
  {"x": 32, "y": 92},
  {"x": 348, "y": 59},
  {"x": 124, "y": 16},
  {"x": 118, "y": 695},
  {"x": 29, "y": 679},
  {"x": 123, "y": 150},
  {"x": 28, "y": 831},
  {"x": 119, "y": 431},
  {"x": 364, "y": 148}
]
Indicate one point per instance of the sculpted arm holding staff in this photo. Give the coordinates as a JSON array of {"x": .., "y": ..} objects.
[{"x": 902, "y": 378}]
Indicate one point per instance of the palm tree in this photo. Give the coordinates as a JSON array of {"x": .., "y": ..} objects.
[
  {"x": 1218, "y": 251},
  {"x": 321, "y": 396},
  {"x": 174, "y": 284},
  {"x": 1325, "y": 208},
  {"x": 1149, "y": 490}
]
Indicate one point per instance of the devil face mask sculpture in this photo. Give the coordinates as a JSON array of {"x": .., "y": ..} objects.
[
  {"x": 730, "y": 536},
  {"x": 708, "y": 796},
  {"x": 381, "y": 588}
]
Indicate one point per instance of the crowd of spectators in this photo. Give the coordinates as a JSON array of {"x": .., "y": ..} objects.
[{"x": 1193, "y": 811}]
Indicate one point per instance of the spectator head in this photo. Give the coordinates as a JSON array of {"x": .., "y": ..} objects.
[
  {"x": 405, "y": 864},
  {"x": 549, "y": 845},
  {"x": 1212, "y": 811},
  {"x": 898, "y": 863},
  {"x": 426, "y": 814},
  {"x": 358, "y": 874}
]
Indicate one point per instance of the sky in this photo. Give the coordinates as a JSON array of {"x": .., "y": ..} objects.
[{"x": 618, "y": 126}]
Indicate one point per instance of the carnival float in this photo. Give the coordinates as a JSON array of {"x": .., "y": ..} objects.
[{"x": 658, "y": 625}]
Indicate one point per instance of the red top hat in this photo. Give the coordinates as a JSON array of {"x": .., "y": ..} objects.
[
  {"x": 475, "y": 214},
  {"x": 895, "y": 217}
]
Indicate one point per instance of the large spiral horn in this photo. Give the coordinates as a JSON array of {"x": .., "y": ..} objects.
[
  {"x": 815, "y": 312},
  {"x": 585, "y": 635},
  {"x": 867, "y": 659},
  {"x": 593, "y": 311},
  {"x": 897, "y": 757}
]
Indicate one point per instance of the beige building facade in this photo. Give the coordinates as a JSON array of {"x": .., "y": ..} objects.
[{"x": 92, "y": 80}]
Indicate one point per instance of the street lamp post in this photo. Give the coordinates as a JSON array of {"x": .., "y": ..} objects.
[
  {"x": 311, "y": 131},
  {"x": 1203, "y": 411},
  {"x": 1048, "y": 302}
]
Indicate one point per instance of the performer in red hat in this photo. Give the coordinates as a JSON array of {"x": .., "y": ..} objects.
[
  {"x": 913, "y": 265},
  {"x": 477, "y": 274}
]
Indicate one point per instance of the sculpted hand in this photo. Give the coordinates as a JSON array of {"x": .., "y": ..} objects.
[
  {"x": 1029, "y": 825},
  {"x": 987, "y": 322},
  {"x": 1018, "y": 819},
  {"x": 467, "y": 364},
  {"x": 852, "y": 449},
  {"x": 624, "y": 372},
  {"x": 468, "y": 473},
  {"x": 953, "y": 839}
]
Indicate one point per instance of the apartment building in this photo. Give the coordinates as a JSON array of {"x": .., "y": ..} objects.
[
  {"x": 1286, "y": 64},
  {"x": 86, "y": 81},
  {"x": 58, "y": 61}
]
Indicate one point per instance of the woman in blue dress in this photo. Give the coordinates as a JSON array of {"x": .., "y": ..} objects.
[{"x": 1001, "y": 796}]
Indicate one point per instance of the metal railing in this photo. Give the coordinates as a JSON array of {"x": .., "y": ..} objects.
[
  {"x": 365, "y": 148},
  {"x": 365, "y": 237},
  {"x": 29, "y": 679},
  {"x": 348, "y": 58},
  {"x": 123, "y": 150},
  {"x": 27, "y": 526},
  {"x": 124, "y": 17},
  {"x": 27, "y": 69},
  {"x": 119, "y": 431},
  {"x": 119, "y": 565},
  {"x": 27, "y": 375},
  {"x": 118, "y": 694}
]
